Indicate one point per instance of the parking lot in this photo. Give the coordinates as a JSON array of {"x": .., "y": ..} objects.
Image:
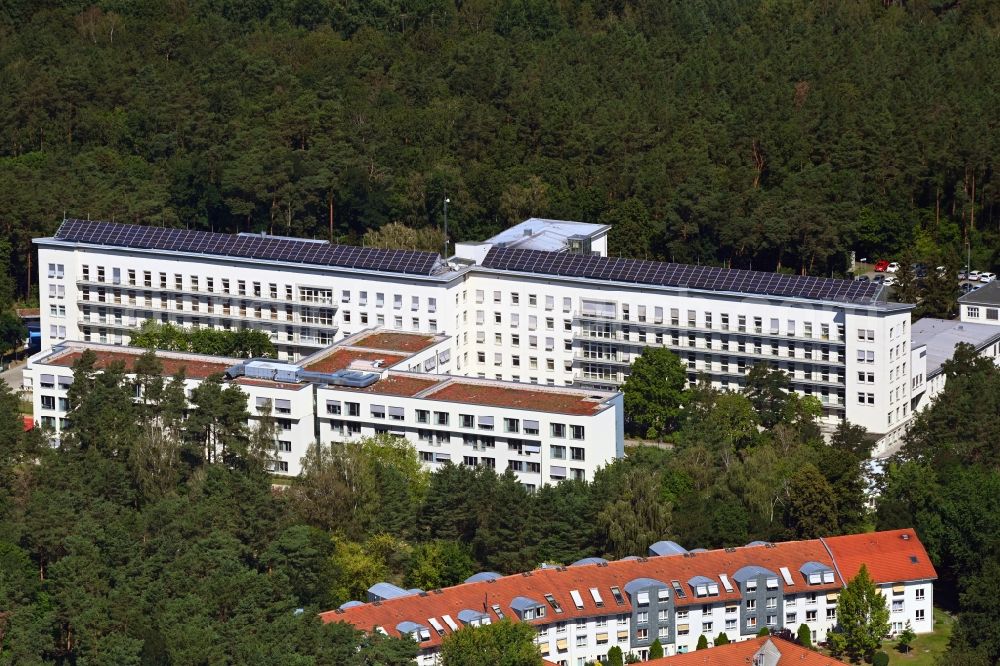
[{"x": 868, "y": 272}]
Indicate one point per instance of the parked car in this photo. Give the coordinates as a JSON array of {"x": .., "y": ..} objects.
[
  {"x": 892, "y": 268},
  {"x": 863, "y": 278},
  {"x": 890, "y": 280},
  {"x": 878, "y": 279},
  {"x": 963, "y": 274},
  {"x": 987, "y": 277},
  {"x": 881, "y": 265},
  {"x": 973, "y": 276},
  {"x": 967, "y": 287}
]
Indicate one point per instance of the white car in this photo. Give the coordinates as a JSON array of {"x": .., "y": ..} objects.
[
  {"x": 987, "y": 277},
  {"x": 892, "y": 268},
  {"x": 889, "y": 281},
  {"x": 973, "y": 276}
]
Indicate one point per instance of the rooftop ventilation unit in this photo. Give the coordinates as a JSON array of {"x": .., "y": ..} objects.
[{"x": 351, "y": 378}]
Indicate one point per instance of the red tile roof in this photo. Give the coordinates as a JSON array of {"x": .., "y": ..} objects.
[
  {"x": 194, "y": 369},
  {"x": 560, "y": 581},
  {"x": 394, "y": 341},
  {"x": 506, "y": 395},
  {"x": 743, "y": 652},
  {"x": 341, "y": 358},
  {"x": 891, "y": 556}
]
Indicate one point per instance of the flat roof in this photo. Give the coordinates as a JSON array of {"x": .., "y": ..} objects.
[
  {"x": 941, "y": 335},
  {"x": 259, "y": 247},
  {"x": 681, "y": 276},
  {"x": 267, "y": 383},
  {"x": 402, "y": 385},
  {"x": 988, "y": 294},
  {"x": 395, "y": 341},
  {"x": 544, "y": 234},
  {"x": 532, "y": 396},
  {"x": 193, "y": 367},
  {"x": 341, "y": 358}
]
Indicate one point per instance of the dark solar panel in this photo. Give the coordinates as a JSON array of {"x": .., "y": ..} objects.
[
  {"x": 679, "y": 275},
  {"x": 265, "y": 248}
]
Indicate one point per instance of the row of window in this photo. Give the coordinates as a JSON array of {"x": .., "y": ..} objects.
[
  {"x": 743, "y": 323},
  {"x": 255, "y": 289},
  {"x": 990, "y": 314}
]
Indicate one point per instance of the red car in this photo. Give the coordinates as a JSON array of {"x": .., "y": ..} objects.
[{"x": 881, "y": 265}]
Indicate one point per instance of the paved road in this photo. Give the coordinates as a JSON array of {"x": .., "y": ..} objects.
[{"x": 14, "y": 377}]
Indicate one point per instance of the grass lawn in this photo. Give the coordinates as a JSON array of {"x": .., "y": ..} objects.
[{"x": 926, "y": 648}]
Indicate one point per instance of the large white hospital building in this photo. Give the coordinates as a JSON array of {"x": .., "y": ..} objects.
[{"x": 540, "y": 304}]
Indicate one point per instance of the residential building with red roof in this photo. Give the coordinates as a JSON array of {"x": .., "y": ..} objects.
[
  {"x": 400, "y": 385},
  {"x": 672, "y": 594},
  {"x": 762, "y": 651}
]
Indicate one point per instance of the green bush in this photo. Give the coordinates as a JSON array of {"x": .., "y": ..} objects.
[
  {"x": 880, "y": 659},
  {"x": 805, "y": 636}
]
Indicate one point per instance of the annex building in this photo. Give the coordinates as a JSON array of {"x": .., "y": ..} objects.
[
  {"x": 379, "y": 381},
  {"x": 540, "y": 304},
  {"x": 672, "y": 594}
]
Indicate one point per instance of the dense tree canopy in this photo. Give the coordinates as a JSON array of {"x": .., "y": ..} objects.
[
  {"x": 945, "y": 482},
  {"x": 750, "y": 133}
]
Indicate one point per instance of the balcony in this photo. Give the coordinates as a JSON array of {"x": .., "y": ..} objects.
[{"x": 580, "y": 317}]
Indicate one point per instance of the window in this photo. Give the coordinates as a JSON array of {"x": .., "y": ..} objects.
[
  {"x": 552, "y": 601},
  {"x": 751, "y": 604},
  {"x": 577, "y": 453},
  {"x": 973, "y": 312},
  {"x": 919, "y": 594},
  {"x": 48, "y": 402},
  {"x": 557, "y": 452},
  {"x": 577, "y": 431},
  {"x": 284, "y": 446},
  {"x": 511, "y": 425},
  {"x": 810, "y": 616},
  {"x": 642, "y": 617},
  {"x": 920, "y": 615},
  {"x": 558, "y": 430}
]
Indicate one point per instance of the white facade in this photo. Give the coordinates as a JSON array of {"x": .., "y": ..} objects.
[
  {"x": 513, "y": 326},
  {"x": 543, "y": 434}
]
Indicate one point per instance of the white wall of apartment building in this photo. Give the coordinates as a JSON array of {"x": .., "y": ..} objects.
[
  {"x": 530, "y": 328},
  {"x": 291, "y": 408},
  {"x": 552, "y": 330},
  {"x": 910, "y": 601},
  {"x": 540, "y": 447},
  {"x": 303, "y": 307}
]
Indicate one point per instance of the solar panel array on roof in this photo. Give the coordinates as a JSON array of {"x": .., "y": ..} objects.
[
  {"x": 709, "y": 278},
  {"x": 267, "y": 248}
]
